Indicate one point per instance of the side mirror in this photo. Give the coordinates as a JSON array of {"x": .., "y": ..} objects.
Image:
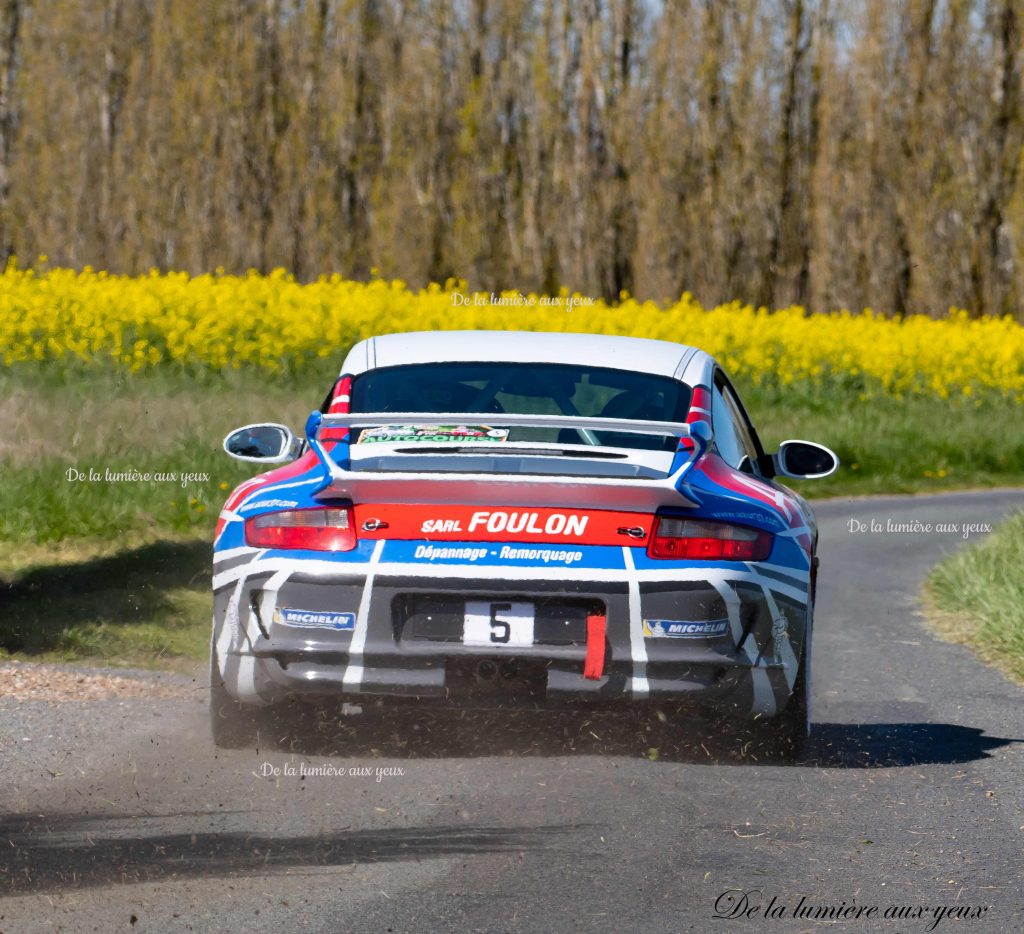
[
  {"x": 804, "y": 460},
  {"x": 266, "y": 443}
]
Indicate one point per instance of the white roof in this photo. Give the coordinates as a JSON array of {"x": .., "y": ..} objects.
[{"x": 621, "y": 353}]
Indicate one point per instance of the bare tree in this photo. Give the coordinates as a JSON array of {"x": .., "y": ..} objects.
[
  {"x": 776, "y": 151},
  {"x": 991, "y": 266},
  {"x": 11, "y": 13}
]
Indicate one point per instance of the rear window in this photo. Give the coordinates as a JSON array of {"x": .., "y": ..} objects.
[{"x": 529, "y": 389}]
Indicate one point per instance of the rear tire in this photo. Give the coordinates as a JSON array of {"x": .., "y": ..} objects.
[{"x": 233, "y": 725}]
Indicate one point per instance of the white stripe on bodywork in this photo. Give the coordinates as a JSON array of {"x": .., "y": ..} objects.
[
  {"x": 246, "y": 683},
  {"x": 764, "y": 696},
  {"x": 223, "y": 647},
  {"x": 237, "y": 552},
  {"x": 732, "y": 607},
  {"x": 783, "y": 504},
  {"x": 231, "y": 623},
  {"x": 354, "y": 670},
  {"x": 274, "y": 487},
  {"x": 795, "y": 534},
  {"x": 782, "y": 647},
  {"x": 268, "y": 603},
  {"x": 765, "y": 703},
  {"x": 553, "y": 572},
  {"x": 247, "y": 487},
  {"x": 780, "y": 500},
  {"x": 795, "y": 573},
  {"x": 637, "y": 647},
  {"x": 234, "y": 634},
  {"x": 228, "y": 516},
  {"x": 259, "y": 566}
]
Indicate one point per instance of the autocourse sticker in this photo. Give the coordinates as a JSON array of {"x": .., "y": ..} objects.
[{"x": 440, "y": 434}]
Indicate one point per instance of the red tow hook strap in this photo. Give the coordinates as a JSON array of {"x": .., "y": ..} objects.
[{"x": 593, "y": 667}]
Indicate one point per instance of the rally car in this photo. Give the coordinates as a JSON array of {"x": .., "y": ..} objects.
[{"x": 500, "y": 519}]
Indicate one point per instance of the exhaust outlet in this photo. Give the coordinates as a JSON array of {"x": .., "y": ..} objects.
[{"x": 486, "y": 670}]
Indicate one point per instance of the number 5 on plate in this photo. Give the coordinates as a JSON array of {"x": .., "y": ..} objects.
[{"x": 498, "y": 625}]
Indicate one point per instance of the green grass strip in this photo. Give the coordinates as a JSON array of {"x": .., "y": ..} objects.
[{"x": 976, "y": 598}]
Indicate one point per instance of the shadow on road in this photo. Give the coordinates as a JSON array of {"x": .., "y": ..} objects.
[
  {"x": 73, "y": 851},
  {"x": 888, "y": 745},
  {"x": 39, "y": 607},
  {"x": 419, "y": 734}
]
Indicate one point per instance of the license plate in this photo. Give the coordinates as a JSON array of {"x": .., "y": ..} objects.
[{"x": 498, "y": 625}]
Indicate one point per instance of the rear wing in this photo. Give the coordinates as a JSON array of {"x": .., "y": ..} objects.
[{"x": 514, "y": 473}]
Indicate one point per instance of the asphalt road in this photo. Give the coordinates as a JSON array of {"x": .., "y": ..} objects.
[{"x": 120, "y": 815}]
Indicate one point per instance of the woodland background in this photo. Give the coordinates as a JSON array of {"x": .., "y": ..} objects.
[{"x": 829, "y": 153}]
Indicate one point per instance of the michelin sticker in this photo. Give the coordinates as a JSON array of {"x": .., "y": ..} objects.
[
  {"x": 314, "y": 619},
  {"x": 436, "y": 434},
  {"x": 684, "y": 629}
]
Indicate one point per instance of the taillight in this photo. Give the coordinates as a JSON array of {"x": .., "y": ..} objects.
[
  {"x": 314, "y": 529},
  {"x": 687, "y": 539}
]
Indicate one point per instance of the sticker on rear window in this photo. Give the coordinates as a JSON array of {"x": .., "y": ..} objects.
[{"x": 433, "y": 434}]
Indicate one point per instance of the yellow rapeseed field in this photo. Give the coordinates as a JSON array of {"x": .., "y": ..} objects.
[{"x": 279, "y": 326}]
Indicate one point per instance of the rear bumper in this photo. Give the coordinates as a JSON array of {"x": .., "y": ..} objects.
[{"x": 404, "y": 639}]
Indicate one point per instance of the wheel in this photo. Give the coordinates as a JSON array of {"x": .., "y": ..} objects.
[{"x": 233, "y": 725}]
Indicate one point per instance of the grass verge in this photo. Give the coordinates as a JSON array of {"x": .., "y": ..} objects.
[
  {"x": 976, "y": 598},
  {"x": 144, "y": 607}
]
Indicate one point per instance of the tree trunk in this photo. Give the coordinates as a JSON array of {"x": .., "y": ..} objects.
[
  {"x": 10, "y": 31},
  {"x": 782, "y": 220}
]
